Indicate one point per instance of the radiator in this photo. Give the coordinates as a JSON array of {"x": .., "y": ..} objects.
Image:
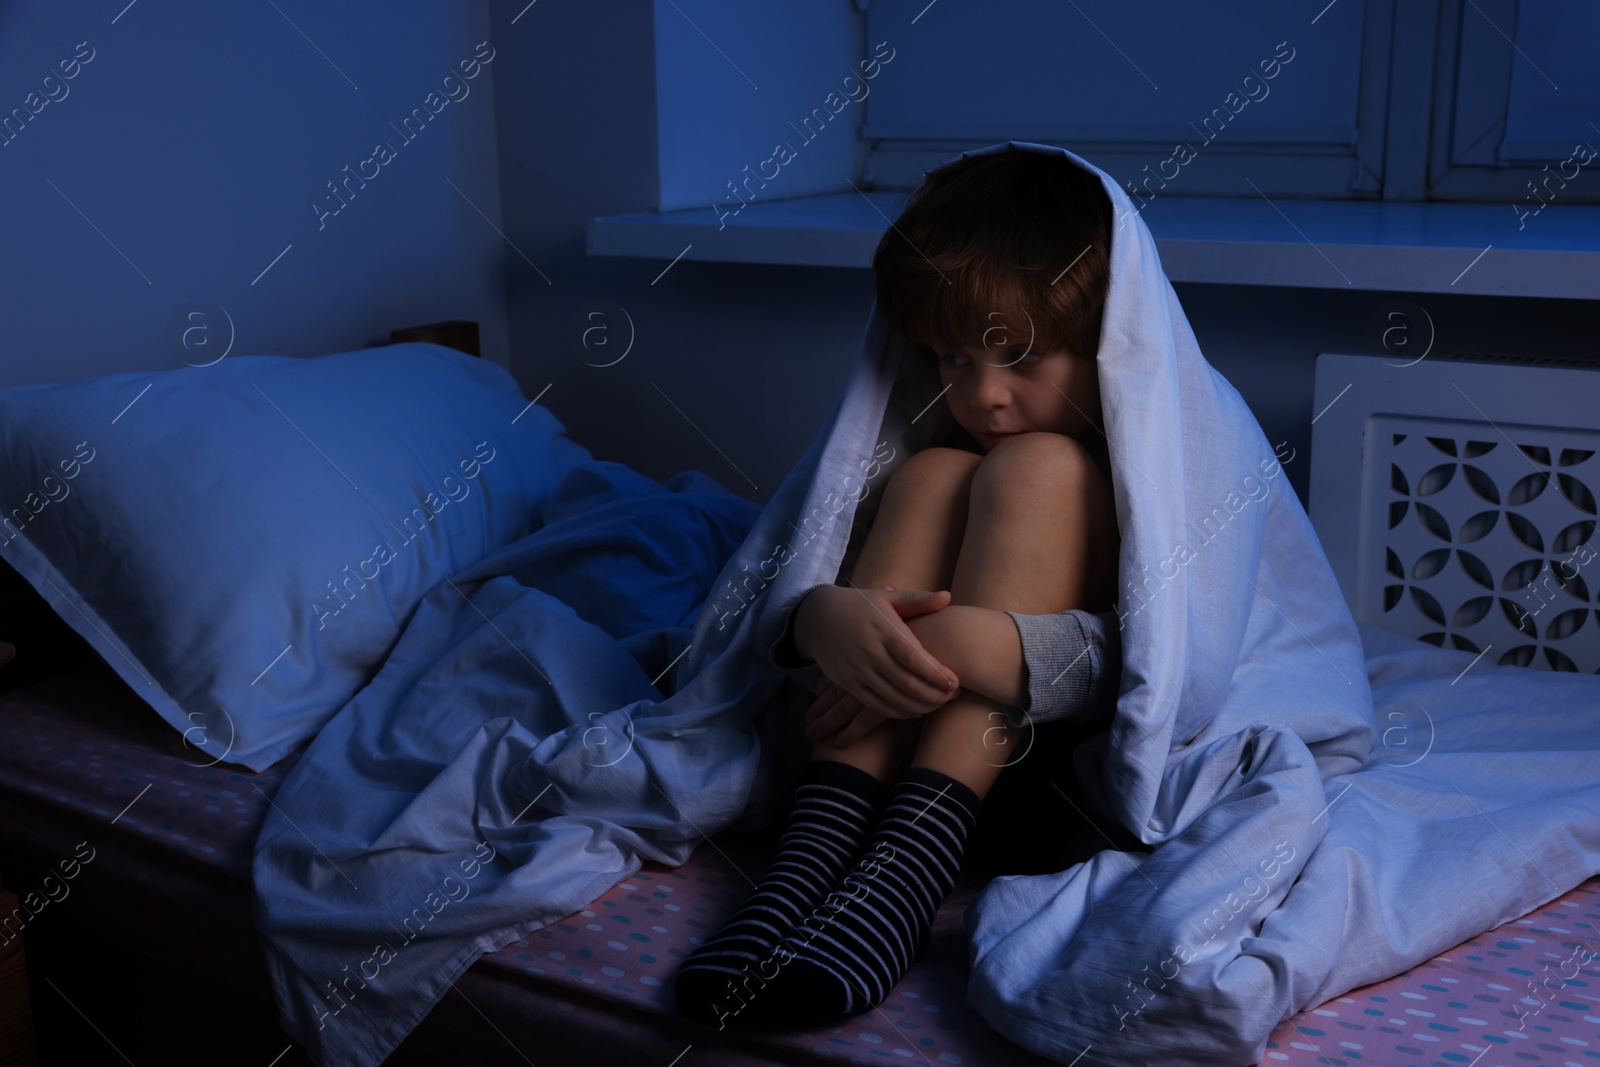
[{"x": 1455, "y": 498}]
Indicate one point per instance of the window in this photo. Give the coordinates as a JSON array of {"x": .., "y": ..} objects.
[
  {"x": 1349, "y": 99},
  {"x": 1516, "y": 102},
  {"x": 1380, "y": 144}
]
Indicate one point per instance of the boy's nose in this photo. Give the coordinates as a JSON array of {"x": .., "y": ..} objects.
[{"x": 990, "y": 391}]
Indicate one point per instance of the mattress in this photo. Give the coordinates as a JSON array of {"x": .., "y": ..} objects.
[{"x": 82, "y": 760}]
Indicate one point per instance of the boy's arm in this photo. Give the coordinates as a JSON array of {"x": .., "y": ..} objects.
[
  {"x": 831, "y": 624},
  {"x": 981, "y": 645},
  {"x": 1074, "y": 665},
  {"x": 785, "y": 654},
  {"x": 1058, "y": 667}
]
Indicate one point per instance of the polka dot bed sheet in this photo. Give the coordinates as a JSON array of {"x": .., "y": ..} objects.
[{"x": 1527, "y": 993}]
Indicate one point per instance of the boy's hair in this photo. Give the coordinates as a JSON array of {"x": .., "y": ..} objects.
[{"x": 987, "y": 241}]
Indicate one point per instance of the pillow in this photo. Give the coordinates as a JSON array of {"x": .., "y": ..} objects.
[{"x": 243, "y": 543}]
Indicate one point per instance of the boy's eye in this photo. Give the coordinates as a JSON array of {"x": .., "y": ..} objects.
[{"x": 1020, "y": 355}]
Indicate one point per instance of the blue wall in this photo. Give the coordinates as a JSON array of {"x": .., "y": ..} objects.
[
  {"x": 753, "y": 356},
  {"x": 182, "y": 151}
]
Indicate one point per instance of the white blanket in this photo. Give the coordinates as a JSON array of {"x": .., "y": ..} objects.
[{"x": 1327, "y": 804}]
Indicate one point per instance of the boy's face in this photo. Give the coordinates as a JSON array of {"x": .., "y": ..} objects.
[{"x": 1001, "y": 390}]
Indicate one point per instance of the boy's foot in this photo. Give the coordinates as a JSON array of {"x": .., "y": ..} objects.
[
  {"x": 847, "y": 959},
  {"x": 835, "y": 808}
]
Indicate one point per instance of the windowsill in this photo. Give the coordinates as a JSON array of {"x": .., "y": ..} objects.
[{"x": 1415, "y": 247}]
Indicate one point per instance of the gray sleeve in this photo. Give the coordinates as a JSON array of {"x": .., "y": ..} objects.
[{"x": 1074, "y": 665}]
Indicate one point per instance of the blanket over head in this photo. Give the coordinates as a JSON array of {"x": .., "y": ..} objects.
[{"x": 550, "y": 720}]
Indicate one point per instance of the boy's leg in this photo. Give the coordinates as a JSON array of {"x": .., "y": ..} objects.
[
  {"x": 913, "y": 544},
  {"x": 1034, "y": 537},
  {"x": 1041, "y": 537}
]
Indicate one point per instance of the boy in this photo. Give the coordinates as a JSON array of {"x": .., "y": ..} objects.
[{"x": 970, "y": 600}]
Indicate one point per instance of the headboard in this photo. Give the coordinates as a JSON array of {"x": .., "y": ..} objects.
[{"x": 459, "y": 334}]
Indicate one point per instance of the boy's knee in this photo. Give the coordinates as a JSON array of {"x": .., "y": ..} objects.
[
  {"x": 1037, "y": 466},
  {"x": 935, "y": 467}
]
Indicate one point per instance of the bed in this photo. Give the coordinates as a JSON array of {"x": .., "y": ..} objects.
[
  {"x": 157, "y": 827},
  {"x": 81, "y": 760}
]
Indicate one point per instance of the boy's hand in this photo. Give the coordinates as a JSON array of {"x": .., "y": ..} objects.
[
  {"x": 859, "y": 639},
  {"x": 837, "y": 712}
]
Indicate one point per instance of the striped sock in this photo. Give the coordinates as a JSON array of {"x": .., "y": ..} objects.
[
  {"x": 834, "y": 810},
  {"x": 848, "y": 957}
]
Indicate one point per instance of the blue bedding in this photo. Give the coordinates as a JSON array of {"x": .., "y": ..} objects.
[
  {"x": 513, "y": 759},
  {"x": 510, "y": 762}
]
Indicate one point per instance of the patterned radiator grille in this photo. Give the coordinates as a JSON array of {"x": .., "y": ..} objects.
[{"x": 1481, "y": 536}]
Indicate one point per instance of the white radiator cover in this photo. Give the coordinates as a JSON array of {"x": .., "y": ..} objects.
[{"x": 1455, "y": 497}]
